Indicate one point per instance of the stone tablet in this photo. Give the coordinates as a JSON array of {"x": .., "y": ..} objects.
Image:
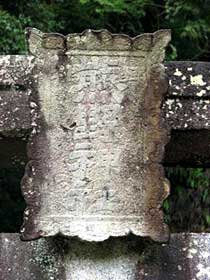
[{"x": 97, "y": 139}]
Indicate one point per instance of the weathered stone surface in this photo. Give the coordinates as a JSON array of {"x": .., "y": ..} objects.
[
  {"x": 98, "y": 136},
  {"x": 179, "y": 113},
  {"x": 15, "y": 82},
  {"x": 37, "y": 260},
  {"x": 188, "y": 79},
  {"x": 15, "y": 69},
  {"x": 14, "y": 113},
  {"x": 187, "y": 113},
  {"x": 190, "y": 114},
  {"x": 113, "y": 259},
  {"x": 186, "y": 257}
]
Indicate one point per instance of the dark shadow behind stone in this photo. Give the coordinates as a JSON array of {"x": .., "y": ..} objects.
[{"x": 12, "y": 166}]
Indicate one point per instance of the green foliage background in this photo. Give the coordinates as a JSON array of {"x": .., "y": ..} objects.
[
  {"x": 189, "y": 21},
  {"x": 187, "y": 209}
]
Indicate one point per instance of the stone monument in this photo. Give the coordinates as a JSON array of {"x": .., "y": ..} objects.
[{"x": 97, "y": 139}]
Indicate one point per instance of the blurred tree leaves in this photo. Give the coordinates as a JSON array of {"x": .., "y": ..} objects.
[
  {"x": 188, "y": 206},
  {"x": 11, "y": 33}
]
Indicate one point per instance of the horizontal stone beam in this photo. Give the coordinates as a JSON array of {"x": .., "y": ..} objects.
[
  {"x": 15, "y": 70},
  {"x": 188, "y": 79},
  {"x": 185, "y": 257},
  {"x": 178, "y": 113},
  {"x": 187, "y": 114},
  {"x": 14, "y": 112},
  {"x": 186, "y": 107}
]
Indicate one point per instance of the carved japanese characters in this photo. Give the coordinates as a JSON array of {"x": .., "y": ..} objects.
[{"x": 97, "y": 142}]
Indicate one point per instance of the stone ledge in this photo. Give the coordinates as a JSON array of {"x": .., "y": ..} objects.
[
  {"x": 15, "y": 70},
  {"x": 183, "y": 111},
  {"x": 188, "y": 79},
  {"x": 187, "y": 114},
  {"x": 185, "y": 257}
]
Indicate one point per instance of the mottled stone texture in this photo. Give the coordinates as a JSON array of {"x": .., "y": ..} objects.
[
  {"x": 187, "y": 116},
  {"x": 38, "y": 260},
  {"x": 187, "y": 113},
  {"x": 15, "y": 89},
  {"x": 14, "y": 112},
  {"x": 188, "y": 79},
  {"x": 184, "y": 107},
  {"x": 186, "y": 257},
  {"x": 113, "y": 259},
  {"x": 188, "y": 104},
  {"x": 98, "y": 137},
  {"x": 15, "y": 69}
]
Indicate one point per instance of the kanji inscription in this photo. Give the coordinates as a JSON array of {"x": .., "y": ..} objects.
[{"x": 97, "y": 142}]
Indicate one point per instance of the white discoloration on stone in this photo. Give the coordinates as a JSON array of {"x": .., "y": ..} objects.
[
  {"x": 206, "y": 254},
  {"x": 201, "y": 93},
  {"x": 190, "y": 113},
  {"x": 193, "y": 251},
  {"x": 170, "y": 102},
  {"x": 33, "y": 105},
  {"x": 180, "y": 105},
  {"x": 203, "y": 272},
  {"x": 197, "y": 80},
  {"x": 178, "y": 73},
  {"x": 198, "y": 253},
  {"x": 15, "y": 69}
]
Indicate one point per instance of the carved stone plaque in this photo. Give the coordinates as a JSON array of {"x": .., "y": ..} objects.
[{"x": 97, "y": 141}]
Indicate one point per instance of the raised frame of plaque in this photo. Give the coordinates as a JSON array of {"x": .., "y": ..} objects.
[{"x": 97, "y": 139}]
